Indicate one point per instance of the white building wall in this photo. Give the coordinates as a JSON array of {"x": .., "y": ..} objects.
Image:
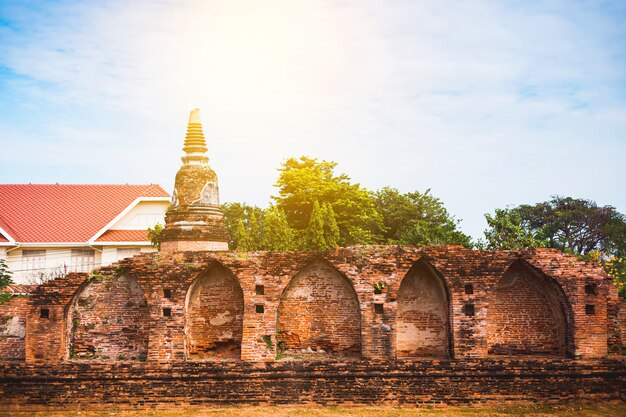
[
  {"x": 111, "y": 254},
  {"x": 57, "y": 260},
  {"x": 145, "y": 214}
]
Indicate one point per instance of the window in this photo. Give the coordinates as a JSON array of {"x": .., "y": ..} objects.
[
  {"x": 83, "y": 260},
  {"x": 379, "y": 308},
  {"x": 33, "y": 262},
  {"x": 167, "y": 293},
  {"x": 591, "y": 289},
  {"x": 167, "y": 312},
  {"x": 469, "y": 289},
  {"x": 469, "y": 310},
  {"x": 259, "y": 289},
  {"x": 44, "y": 313},
  {"x": 590, "y": 309},
  {"x": 123, "y": 253},
  {"x": 259, "y": 308}
]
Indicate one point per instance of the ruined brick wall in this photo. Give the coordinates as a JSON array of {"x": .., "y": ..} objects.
[
  {"x": 319, "y": 313},
  {"x": 424, "y": 383},
  {"x": 422, "y": 318},
  {"x": 108, "y": 320},
  {"x": 215, "y": 316},
  {"x": 13, "y": 329},
  {"x": 524, "y": 316},
  {"x": 344, "y": 279},
  {"x": 444, "y": 302}
]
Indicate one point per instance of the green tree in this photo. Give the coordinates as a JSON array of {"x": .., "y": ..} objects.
[
  {"x": 254, "y": 231},
  {"x": 576, "y": 225},
  {"x": 573, "y": 225},
  {"x": 315, "y": 232},
  {"x": 277, "y": 235},
  {"x": 240, "y": 236},
  {"x": 507, "y": 230},
  {"x": 249, "y": 215},
  {"x": 331, "y": 229},
  {"x": 304, "y": 181},
  {"x": 5, "y": 280},
  {"x": 154, "y": 234},
  {"x": 417, "y": 219}
]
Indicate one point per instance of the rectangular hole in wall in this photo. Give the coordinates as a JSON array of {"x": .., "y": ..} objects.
[
  {"x": 259, "y": 289},
  {"x": 167, "y": 293},
  {"x": 469, "y": 309},
  {"x": 469, "y": 288},
  {"x": 260, "y": 308},
  {"x": 591, "y": 289},
  {"x": 44, "y": 313},
  {"x": 167, "y": 312},
  {"x": 590, "y": 309},
  {"x": 379, "y": 308}
]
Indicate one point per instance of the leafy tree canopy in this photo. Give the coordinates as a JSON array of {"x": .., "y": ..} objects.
[
  {"x": 5, "y": 280},
  {"x": 317, "y": 209},
  {"x": 572, "y": 225},
  {"x": 302, "y": 182},
  {"x": 417, "y": 219}
]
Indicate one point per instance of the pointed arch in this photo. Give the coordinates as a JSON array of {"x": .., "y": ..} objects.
[
  {"x": 319, "y": 313},
  {"x": 528, "y": 315},
  {"x": 108, "y": 319},
  {"x": 423, "y": 315},
  {"x": 214, "y": 316}
]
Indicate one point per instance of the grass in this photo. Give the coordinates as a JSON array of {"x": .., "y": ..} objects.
[{"x": 570, "y": 410}]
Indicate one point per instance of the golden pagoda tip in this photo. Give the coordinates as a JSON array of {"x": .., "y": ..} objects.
[{"x": 194, "y": 116}]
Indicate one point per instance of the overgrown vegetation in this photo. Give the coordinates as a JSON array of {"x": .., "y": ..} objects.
[
  {"x": 5, "y": 280},
  {"x": 154, "y": 234}
]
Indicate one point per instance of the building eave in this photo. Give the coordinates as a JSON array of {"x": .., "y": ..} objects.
[{"x": 92, "y": 240}]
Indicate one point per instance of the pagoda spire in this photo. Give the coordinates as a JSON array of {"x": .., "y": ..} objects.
[
  {"x": 195, "y": 145},
  {"x": 195, "y": 220}
]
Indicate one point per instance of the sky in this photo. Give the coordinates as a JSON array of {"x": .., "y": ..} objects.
[{"x": 487, "y": 103}]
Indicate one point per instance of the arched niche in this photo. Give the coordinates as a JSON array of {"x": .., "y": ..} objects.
[
  {"x": 214, "y": 316},
  {"x": 108, "y": 319},
  {"x": 528, "y": 315},
  {"x": 319, "y": 315},
  {"x": 423, "y": 318}
]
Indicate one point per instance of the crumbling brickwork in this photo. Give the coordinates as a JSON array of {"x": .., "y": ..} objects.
[
  {"x": 215, "y": 316},
  {"x": 13, "y": 329},
  {"x": 422, "y": 320},
  {"x": 444, "y": 311},
  {"x": 319, "y": 314},
  {"x": 524, "y": 316},
  {"x": 109, "y": 320}
]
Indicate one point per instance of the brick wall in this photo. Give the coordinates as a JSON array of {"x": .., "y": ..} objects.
[
  {"x": 319, "y": 314},
  {"x": 522, "y": 303},
  {"x": 13, "y": 329},
  {"x": 108, "y": 320},
  {"x": 215, "y": 318},
  {"x": 328, "y": 302},
  {"x": 80, "y": 386},
  {"x": 524, "y": 317},
  {"x": 422, "y": 318}
]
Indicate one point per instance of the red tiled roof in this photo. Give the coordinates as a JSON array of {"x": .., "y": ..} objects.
[
  {"x": 124, "y": 236},
  {"x": 65, "y": 212}
]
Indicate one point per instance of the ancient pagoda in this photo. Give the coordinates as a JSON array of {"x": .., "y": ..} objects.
[{"x": 195, "y": 220}]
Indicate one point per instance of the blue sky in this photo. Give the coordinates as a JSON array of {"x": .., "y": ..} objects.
[{"x": 487, "y": 103}]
